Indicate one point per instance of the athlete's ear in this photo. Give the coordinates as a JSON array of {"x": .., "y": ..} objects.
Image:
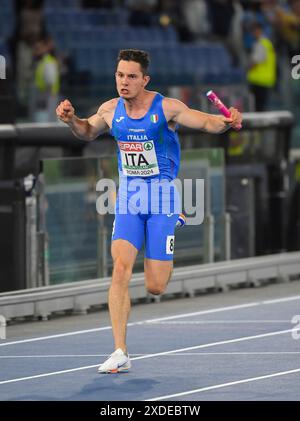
[{"x": 146, "y": 80}]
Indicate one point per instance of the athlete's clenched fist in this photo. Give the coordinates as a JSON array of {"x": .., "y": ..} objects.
[{"x": 65, "y": 111}]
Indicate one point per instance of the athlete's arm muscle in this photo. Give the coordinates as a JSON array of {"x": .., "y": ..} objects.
[
  {"x": 88, "y": 128},
  {"x": 180, "y": 113}
]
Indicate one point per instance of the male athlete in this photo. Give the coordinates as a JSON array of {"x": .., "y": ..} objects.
[{"x": 144, "y": 125}]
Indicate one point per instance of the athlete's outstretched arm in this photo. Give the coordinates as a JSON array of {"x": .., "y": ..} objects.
[
  {"x": 180, "y": 113},
  {"x": 85, "y": 128}
]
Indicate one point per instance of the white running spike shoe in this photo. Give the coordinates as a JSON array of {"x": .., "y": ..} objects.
[{"x": 118, "y": 362}]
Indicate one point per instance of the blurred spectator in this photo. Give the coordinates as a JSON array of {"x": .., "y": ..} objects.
[
  {"x": 141, "y": 12},
  {"x": 45, "y": 83},
  {"x": 256, "y": 11},
  {"x": 235, "y": 41},
  {"x": 30, "y": 19},
  {"x": 261, "y": 75},
  {"x": 287, "y": 23},
  {"x": 220, "y": 13},
  {"x": 29, "y": 26},
  {"x": 24, "y": 63},
  {"x": 195, "y": 12},
  {"x": 173, "y": 13}
]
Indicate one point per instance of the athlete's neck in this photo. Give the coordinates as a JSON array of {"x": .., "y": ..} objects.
[{"x": 140, "y": 103}]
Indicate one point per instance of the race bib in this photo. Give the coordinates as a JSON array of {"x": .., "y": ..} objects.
[
  {"x": 139, "y": 158},
  {"x": 170, "y": 244}
]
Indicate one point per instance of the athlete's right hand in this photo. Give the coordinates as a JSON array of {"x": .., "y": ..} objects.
[{"x": 65, "y": 111}]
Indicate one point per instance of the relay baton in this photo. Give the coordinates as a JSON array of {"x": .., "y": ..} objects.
[{"x": 215, "y": 100}]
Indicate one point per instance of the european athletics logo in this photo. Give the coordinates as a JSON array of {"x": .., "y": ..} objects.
[{"x": 148, "y": 146}]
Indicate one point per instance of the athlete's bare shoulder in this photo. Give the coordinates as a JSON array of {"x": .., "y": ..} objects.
[
  {"x": 108, "y": 106},
  {"x": 172, "y": 107},
  {"x": 106, "y": 111}
]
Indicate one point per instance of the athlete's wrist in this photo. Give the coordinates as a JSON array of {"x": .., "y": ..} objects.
[
  {"x": 225, "y": 125},
  {"x": 72, "y": 122}
]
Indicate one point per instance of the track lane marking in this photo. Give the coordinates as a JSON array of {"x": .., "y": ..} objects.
[
  {"x": 219, "y": 386},
  {"x": 158, "y": 354}
]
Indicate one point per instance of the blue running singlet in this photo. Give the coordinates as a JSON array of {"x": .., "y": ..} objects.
[{"x": 148, "y": 203}]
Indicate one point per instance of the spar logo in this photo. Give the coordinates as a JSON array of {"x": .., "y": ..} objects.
[
  {"x": 131, "y": 146},
  {"x": 135, "y": 146}
]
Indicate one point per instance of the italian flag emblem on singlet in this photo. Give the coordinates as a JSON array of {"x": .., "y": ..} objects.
[{"x": 154, "y": 118}]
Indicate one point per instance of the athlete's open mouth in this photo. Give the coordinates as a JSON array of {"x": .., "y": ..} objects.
[{"x": 124, "y": 91}]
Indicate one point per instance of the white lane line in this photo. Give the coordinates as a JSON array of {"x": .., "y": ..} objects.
[
  {"x": 167, "y": 355},
  {"x": 196, "y": 322},
  {"x": 64, "y": 356},
  {"x": 158, "y": 354},
  {"x": 79, "y": 332},
  {"x": 59, "y": 335},
  {"x": 219, "y": 386},
  {"x": 211, "y": 311},
  {"x": 281, "y": 300},
  {"x": 54, "y": 373},
  {"x": 198, "y": 313},
  {"x": 227, "y": 341}
]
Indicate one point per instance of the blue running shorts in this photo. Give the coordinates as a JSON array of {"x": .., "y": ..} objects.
[{"x": 148, "y": 211}]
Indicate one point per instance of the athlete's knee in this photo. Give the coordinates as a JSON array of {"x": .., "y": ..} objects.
[
  {"x": 158, "y": 285},
  {"x": 156, "y": 289},
  {"x": 157, "y": 277},
  {"x": 122, "y": 270}
]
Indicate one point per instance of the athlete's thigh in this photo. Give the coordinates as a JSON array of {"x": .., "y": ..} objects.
[
  {"x": 129, "y": 227},
  {"x": 124, "y": 250},
  {"x": 160, "y": 238},
  {"x": 157, "y": 272}
]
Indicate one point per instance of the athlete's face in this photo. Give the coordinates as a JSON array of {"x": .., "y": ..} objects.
[{"x": 130, "y": 79}]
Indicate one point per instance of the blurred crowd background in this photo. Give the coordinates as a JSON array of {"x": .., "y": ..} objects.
[
  {"x": 247, "y": 51},
  {"x": 56, "y": 49}
]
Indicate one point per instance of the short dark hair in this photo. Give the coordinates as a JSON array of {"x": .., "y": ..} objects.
[{"x": 139, "y": 56}]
